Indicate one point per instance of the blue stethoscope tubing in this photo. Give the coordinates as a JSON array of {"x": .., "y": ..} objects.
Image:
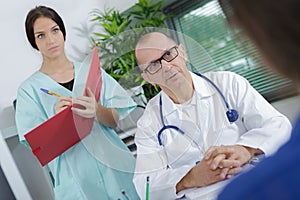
[
  {"x": 164, "y": 125},
  {"x": 232, "y": 114}
]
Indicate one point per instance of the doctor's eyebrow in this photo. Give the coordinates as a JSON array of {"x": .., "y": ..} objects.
[{"x": 164, "y": 52}]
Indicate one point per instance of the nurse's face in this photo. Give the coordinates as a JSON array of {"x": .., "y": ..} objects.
[
  {"x": 170, "y": 74},
  {"x": 48, "y": 37}
]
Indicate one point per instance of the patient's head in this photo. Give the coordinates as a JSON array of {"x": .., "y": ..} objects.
[{"x": 274, "y": 28}]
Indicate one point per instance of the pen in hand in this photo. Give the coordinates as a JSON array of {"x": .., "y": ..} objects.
[{"x": 49, "y": 92}]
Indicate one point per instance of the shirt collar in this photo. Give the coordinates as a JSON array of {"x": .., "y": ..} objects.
[{"x": 203, "y": 89}]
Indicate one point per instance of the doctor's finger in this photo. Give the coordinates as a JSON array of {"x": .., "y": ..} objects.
[
  {"x": 227, "y": 150},
  {"x": 224, "y": 173},
  {"x": 226, "y": 163},
  {"x": 215, "y": 162},
  {"x": 234, "y": 170},
  {"x": 209, "y": 152},
  {"x": 228, "y": 172}
]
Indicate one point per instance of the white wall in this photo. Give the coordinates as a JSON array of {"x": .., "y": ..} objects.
[{"x": 19, "y": 59}]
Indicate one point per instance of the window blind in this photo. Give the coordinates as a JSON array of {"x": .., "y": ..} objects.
[{"x": 205, "y": 23}]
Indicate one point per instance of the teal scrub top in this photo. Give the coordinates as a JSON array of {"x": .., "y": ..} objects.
[{"x": 100, "y": 166}]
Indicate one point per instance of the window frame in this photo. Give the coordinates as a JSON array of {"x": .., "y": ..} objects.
[{"x": 180, "y": 8}]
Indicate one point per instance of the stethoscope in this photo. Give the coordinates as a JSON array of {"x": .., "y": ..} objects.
[{"x": 232, "y": 114}]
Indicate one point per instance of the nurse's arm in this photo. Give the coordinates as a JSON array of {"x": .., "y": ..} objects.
[{"x": 107, "y": 116}]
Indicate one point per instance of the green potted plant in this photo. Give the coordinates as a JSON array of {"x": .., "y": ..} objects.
[{"x": 120, "y": 33}]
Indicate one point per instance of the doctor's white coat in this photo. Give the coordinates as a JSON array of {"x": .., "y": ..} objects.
[{"x": 259, "y": 126}]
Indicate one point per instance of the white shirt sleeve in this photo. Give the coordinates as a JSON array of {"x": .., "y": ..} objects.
[
  {"x": 266, "y": 128},
  {"x": 162, "y": 180},
  {"x": 151, "y": 161}
]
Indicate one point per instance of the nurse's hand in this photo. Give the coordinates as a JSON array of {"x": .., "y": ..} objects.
[
  {"x": 62, "y": 103},
  {"x": 200, "y": 175},
  {"x": 88, "y": 107},
  {"x": 85, "y": 106}
]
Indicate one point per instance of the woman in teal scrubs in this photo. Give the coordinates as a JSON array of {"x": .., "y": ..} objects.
[{"x": 100, "y": 166}]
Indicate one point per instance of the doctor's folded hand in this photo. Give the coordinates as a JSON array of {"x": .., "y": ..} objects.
[
  {"x": 220, "y": 156},
  {"x": 229, "y": 158},
  {"x": 215, "y": 168}
]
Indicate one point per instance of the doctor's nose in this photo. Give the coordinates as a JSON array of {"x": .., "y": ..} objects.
[{"x": 165, "y": 65}]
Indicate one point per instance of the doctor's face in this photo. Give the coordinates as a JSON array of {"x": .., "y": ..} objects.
[
  {"x": 163, "y": 63},
  {"x": 48, "y": 37}
]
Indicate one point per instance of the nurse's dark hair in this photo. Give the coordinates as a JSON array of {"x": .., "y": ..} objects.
[
  {"x": 274, "y": 28},
  {"x": 37, "y": 12}
]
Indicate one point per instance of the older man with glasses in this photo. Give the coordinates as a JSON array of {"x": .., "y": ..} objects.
[{"x": 201, "y": 128}]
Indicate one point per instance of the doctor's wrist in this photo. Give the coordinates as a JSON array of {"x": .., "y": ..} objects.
[
  {"x": 253, "y": 151},
  {"x": 185, "y": 183},
  {"x": 191, "y": 179}
]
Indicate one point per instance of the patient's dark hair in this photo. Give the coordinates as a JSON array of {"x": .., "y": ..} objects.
[
  {"x": 37, "y": 12},
  {"x": 274, "y": 28}
]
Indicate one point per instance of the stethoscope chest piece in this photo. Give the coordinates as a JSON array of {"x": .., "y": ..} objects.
[{"x": 232, "y": 115}]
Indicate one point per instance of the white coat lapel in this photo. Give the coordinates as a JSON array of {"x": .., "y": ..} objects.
[
  {"x": 211, "y": 115},
  {"x": 205, "y": 94},
  {"x": 169, "y": 111},
  {"x": 203, "y": 122}
]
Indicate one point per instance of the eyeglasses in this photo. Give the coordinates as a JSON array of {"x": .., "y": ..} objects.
[{"x": 168, "y": 56}]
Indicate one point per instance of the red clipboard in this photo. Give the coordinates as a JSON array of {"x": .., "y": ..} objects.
[{"x": 60, "y": 132}]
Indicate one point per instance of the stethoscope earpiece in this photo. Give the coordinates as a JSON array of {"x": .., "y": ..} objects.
[{"x": 232, "y": 115}]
